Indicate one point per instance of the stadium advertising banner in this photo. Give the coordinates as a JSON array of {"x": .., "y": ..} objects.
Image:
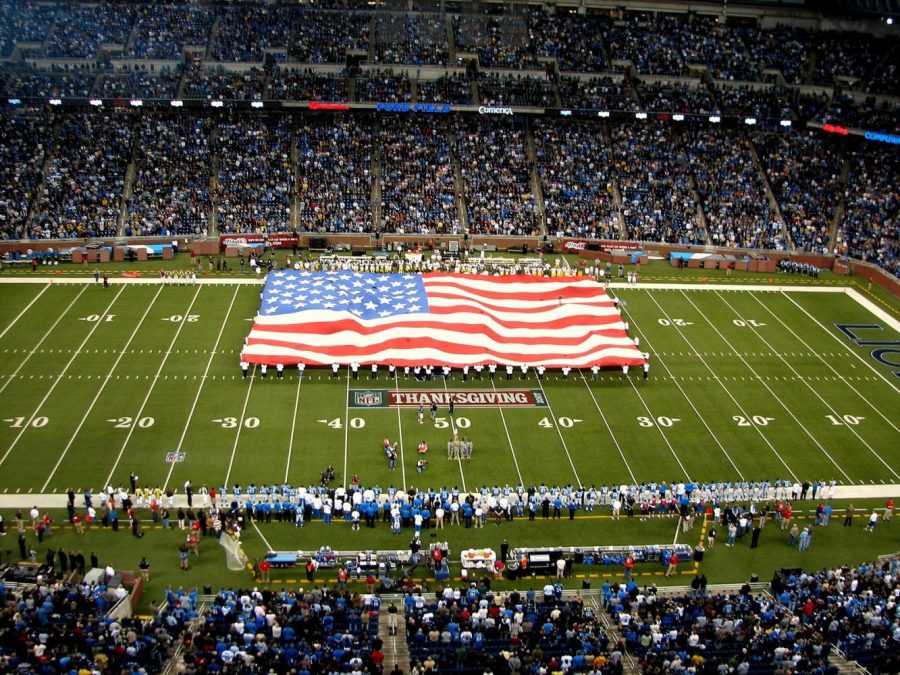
[
  {"x": 575, "y": 245},
  {"x": 274, "y": 240},
  {"x": 464, "y": 398}
]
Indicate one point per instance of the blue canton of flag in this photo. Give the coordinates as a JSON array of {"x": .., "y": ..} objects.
[{"x": 362, "y": 294}]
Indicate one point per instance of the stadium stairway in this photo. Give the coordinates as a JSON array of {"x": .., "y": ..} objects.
[
  {"x": 844, "y": 667},
  {"x": 835, "y": 223},
  {"x": 629, "y": 665},
  {"x": 375, "y": 192},
  {"x": 774, "y": 209},
  {"x": 394, "y": 647},
  {"x": 531, "y": 155}
]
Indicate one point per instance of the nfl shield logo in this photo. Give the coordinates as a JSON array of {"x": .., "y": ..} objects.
[{"x": 368, "y": 399}]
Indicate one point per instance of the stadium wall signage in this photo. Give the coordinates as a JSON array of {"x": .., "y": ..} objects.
[
  {"x": 464, "y": 398},
  {"x": 440, "y": 108},
  {"x": 487, "y": 110},
  {"x": 274, "y": 239},
  {"x": 318, "y": 105},
  {"x": 575, "y": 245}
]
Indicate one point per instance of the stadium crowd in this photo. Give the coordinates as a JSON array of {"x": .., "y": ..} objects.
[
  {"x": 811, "y": 176},
  {"x": 573, "y": 163},
  {"x": 255, "y": 180},
  {"x": 83, "y": 186},
  {"x": 417, "y": 179},
  {"x": 496, "y": 177},
  {"x": 171, "y": 187},
  {"x": 316, "y": 630},
  {"x": 334, "y": 177}
]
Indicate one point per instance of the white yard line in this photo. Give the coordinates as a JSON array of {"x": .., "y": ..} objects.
[
  {"x": 615, "y": 440},
  {"x": 805, "y": 381},
  {"x": 346, "y": 430},
  {"x": 237, "y": 435},
  {"x": 722, "y": 385},
  {"x": 49, "y": 332},
  {"x": 509, "y": 439},
  {"x": 827, "y": 364},
  {"x": 150, "y": 391},
  {"x": 59, "y": 377},
  {"x": 855, "y": 296},
  {"x": 287, "y": 466},
  {"x": 657, "y": 357},
  {"x": 559, "y": 431},
  {"x": 212, "y": 355},
  {"x": 400, "y": 429},
  {"x": 103, "y": 384},
  {"x": 762, "y": 381},
  {"x": 462, "y": 475},
  {"x": 27, "y": 307},
  {"x": 261, "y": 536},
  {"x": 659, "y": 429}
]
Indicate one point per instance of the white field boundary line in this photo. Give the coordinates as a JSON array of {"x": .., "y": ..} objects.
[
  {"x": 140, "y": 412},
  {"x": 872, "y": 307},
  {"x": 59, "y": 377},
  {"x": 261, "y": 535},
  {"x": 287, "y": 466},
  {"x": 240, "y": 426},
  {"x": 34, "y": 349},
  {"x": 57, "y": 500},
  {"x": 509, "y": 439},
  {"x": 687, "y": 398},
  {"x": 190, "y": 417},
  {"x": 400, "y": 429},
  {"x": 103, "y": 384},
  {"x": 609, "y": 430},
  {"x": 828, "y": 406},
  {"x": 559, "y": 432},
  {"x": 728, "y": 393},
  {"x": 760, "y": 379},
  {"x": 828, "y": 365},
  {"x": 844, "y": 344},
  {"x": 462, "y": 475},
  {"x": 22, "y": 313}
]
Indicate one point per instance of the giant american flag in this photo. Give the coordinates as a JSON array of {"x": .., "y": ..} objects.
[{"x": 321, "y": 318}]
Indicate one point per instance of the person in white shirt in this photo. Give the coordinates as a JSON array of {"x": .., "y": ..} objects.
[{"x": 565, "y": 372}]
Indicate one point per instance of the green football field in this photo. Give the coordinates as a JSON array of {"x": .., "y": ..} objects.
[{"x": 744, "y": 384}]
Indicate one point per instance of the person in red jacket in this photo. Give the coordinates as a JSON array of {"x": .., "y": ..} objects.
[{"x": 889, "y": 509}]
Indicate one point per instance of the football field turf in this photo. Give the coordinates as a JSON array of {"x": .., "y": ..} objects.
[{"x": 744, "y": 384}]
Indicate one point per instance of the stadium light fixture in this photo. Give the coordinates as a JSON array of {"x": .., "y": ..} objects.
[
  {"x": 678, "y": 117},
  {"x": 641, "y": 115},
  {"x": 256, "y": 104},
  {"x": 55, "y": 101},
  {"x": 750, "y": 120},
  {"x": 890, "y": 21},
  {"x": 216, "y": 104},
  {"x": 96, "y": 102},
  {"x": 715, "y": 119},
  {"x": 603, "y": 113},
  {"x": 176, "y": 104},
  {"x": 785, "y": 123},
  {"x": 136, "y": 102}
]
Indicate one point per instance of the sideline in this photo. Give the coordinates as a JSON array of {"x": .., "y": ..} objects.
[{"x": 58, "y": 500}]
